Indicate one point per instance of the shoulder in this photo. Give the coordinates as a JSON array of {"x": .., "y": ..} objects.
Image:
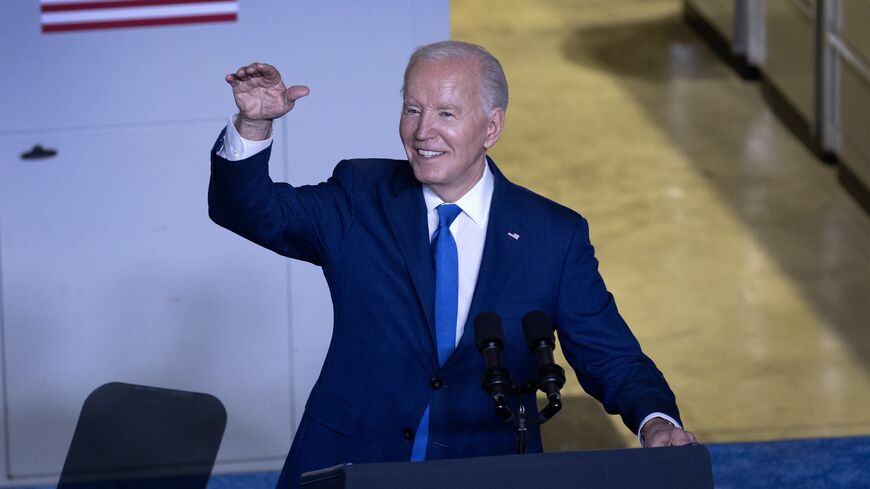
[
  {"x": 544, "y": 205},
  {"x": 543, "y": 212},
  {"x": 520, "y": 201},
  {"x": 371, "y": 168},
  {"x": 374, "y": 174}
]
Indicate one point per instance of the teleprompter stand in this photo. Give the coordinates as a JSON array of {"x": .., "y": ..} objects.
[{"x": 647, "y": 468}]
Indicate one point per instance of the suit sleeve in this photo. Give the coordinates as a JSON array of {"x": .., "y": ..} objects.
[
  {"x": 307, "y": 222},
  {"x": 599, "y": 345}
]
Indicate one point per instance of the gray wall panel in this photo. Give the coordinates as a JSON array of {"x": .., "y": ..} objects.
[
  {"x": 720, "y": 13},
  {"x": 791, "y": 52},
  {"x": 855, "y": 121},
  {"x": 856, "y": 27}
]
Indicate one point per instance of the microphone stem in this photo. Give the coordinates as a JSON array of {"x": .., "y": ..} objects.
[{"x": 522, "y": 448}]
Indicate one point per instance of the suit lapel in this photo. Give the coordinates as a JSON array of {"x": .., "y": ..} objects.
[
  {"x": 503, "y": 247},
  {"x": 406, "y": 213}
]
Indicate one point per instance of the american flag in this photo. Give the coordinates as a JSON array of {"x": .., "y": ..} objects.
[{"x": 70, "y": 15}]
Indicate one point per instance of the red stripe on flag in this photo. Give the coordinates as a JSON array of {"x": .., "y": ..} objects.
[
  {"x": 66, "y": 7},
  {"x": 113, "y": 24}
]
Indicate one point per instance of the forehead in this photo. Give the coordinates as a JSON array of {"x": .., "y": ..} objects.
[{"x": 440, "y": 81}]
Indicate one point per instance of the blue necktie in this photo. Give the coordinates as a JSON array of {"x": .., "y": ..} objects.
[{"x": 446, "y": 296}]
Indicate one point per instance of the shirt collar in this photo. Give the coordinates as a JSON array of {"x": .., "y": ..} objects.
[{"x": 475, "y": 203}]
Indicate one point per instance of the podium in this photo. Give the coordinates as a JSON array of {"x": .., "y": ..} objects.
[{"x": 649, "y": 468}]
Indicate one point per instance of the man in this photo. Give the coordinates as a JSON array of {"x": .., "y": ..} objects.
[{"x": 412, "y": 252}]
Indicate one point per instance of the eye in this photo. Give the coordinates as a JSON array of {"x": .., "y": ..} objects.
[
  {"x": 446, "y": 114},
  {"x": 410, "y": 110}
]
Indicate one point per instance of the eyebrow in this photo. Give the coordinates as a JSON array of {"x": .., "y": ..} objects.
[{"x": 446, "y": 106}]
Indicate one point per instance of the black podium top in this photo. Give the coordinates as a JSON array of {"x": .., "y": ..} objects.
[{"x": 678, "y": 467}]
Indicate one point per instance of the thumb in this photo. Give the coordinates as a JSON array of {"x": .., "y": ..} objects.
[{"x": 296, "y": 92}]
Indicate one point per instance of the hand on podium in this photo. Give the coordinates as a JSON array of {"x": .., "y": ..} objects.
[{"x": 658, "y": 432}]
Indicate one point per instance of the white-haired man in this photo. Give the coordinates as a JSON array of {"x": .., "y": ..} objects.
[{"x": 413, "y": 251}]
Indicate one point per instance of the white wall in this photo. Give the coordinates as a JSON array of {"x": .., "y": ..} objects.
[{"x": 109, "y": 267}]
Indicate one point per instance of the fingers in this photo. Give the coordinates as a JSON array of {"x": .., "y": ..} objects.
[
  {"x": 680, "y": 437},
  {"x": 260, "y": 94},
  {"x": 254, "y": 70},
  {"x": 670, "y": 437}
]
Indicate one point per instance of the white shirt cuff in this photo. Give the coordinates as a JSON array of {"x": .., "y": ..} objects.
[
  {"x": 235, "y": 147},
  {"x": 655, "y": 415}
]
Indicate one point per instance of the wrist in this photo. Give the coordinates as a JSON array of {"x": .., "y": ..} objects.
[
  {"x": 254, "y": 130},
  {"x": 651, "y": 425}
]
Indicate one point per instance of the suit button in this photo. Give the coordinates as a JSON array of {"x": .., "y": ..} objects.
[
  {"x": 436, "y": 383},
  {"x": 409, "y": 435}
]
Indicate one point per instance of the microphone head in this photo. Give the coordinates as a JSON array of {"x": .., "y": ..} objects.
[
  {"x": 487, "y": 328},
  {"x": 537, "y": 327}
]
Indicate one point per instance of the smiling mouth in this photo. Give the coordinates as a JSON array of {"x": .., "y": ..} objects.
[{"x": 429, "y": 154}]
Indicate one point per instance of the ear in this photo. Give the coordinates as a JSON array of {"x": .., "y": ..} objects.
[{"x": 494, "y": 126}]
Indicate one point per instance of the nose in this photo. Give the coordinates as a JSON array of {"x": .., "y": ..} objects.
[{"x": 424, "y": 130}]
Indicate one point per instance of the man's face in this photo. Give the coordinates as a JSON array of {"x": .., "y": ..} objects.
[{"x": 443, "y": 126}]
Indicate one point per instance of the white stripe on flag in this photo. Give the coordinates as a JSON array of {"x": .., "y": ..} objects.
[
  {"x": 59, "y": 2},
  {"x": 123, "y": 13}
]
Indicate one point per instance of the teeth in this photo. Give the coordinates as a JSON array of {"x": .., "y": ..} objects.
[{"x": 428, "y": 154}]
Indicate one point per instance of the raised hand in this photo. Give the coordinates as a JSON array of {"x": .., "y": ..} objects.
[{"x": 261, "y": 97}]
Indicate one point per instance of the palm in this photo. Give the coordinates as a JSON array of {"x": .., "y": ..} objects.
[
  {"x": 260, "y": 94},
  {"x": 261, "y": 98}
]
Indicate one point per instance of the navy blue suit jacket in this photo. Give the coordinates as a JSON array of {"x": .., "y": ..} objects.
[{"x": 366, "y": 227}]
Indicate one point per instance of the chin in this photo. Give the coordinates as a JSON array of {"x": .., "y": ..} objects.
[
  {"x": 424, "y": 178},
  {"x": 427, "y": 174}
]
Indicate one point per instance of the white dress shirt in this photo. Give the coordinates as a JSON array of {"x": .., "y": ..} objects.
[
  {"x": 468, "y": 229},
  {"x": 469, "y": 232}
]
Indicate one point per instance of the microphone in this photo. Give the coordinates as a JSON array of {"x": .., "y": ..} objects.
[
  {"x": 495, "y": 380},
  {"x": 551, "y": 377}
]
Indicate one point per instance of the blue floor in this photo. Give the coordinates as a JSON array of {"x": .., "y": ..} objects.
[
  {"x": 259, "y": 480},
  {"x": 836, "y": 463}
]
